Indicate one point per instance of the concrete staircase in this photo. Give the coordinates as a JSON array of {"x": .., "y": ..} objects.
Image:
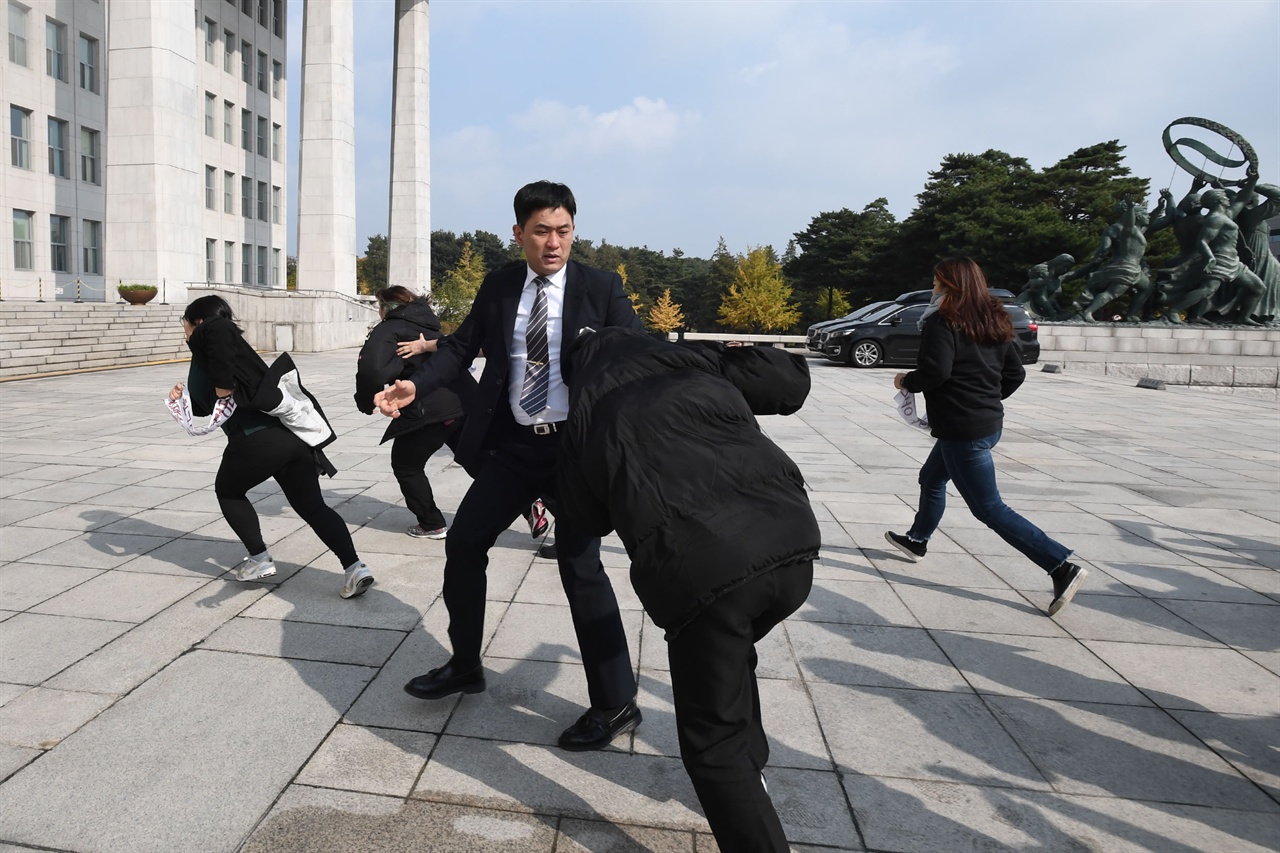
[{"x": 51, "y": 337}]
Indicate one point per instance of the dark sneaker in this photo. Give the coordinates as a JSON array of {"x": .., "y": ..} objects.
[
  {"x": 417, "y": 531},
  {"x": 911, "y": 548},
  {"x": 537, "y": 518},
  {"x": 1066, "y": 582}
]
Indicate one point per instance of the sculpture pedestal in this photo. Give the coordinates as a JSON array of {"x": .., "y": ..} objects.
[{"x": 1178, "y": 355}]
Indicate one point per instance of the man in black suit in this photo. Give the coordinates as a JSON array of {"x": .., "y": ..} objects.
[{"x": 523, "y": 319}]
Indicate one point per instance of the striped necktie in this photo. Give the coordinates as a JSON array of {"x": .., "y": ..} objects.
[{"x": 537, "y": 370}]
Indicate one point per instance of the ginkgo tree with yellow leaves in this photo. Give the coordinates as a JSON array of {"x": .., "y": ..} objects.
[
  {"x": 758, "y": 300},
  {"x": 665, "y": 315},
  {"x": 453, "y": 296}
]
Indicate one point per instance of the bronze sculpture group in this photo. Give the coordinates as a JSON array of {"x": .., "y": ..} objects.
[{"x": 1224, "y": 272}]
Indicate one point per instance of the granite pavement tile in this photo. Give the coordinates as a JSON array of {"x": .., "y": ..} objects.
[
  {"x": 305, "y": 641},
  {"x": 17, "y": 510},
  {"x": 1248, "y": 743},
  {"x": 878, "y": 656},
  {"x": 318, "y": 820},
  {"x": 120, "y": 596},
  {"x": 1243, "y": 626},
  {"x": 13, "y": 759},
  {"x": 1000, "y": 611},
  {"x": 96, "y": 550},
  {"x": 1194, "y": 679},
  {"x": 851, "y": 602},
  {"x": 40, "y": 718},
  {"x": 34, "y": 647},
  {"x": 24, "y": 585},
  {"x": 1130, "y": 619},
  {"x": 1124, "y": 751},
  {"x": 593, "y": 836},
  {"x": 367, "y": 759},
  {"x": 131, "y": 795}
]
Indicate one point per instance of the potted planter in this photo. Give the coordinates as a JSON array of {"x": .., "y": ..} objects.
[{"x": 137, "y": 294}]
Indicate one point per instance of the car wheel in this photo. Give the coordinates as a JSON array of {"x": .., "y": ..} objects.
[{"x": 865, "y": 354}]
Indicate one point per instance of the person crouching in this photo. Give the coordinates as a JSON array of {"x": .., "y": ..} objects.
[{"x": 662, "y": 445}]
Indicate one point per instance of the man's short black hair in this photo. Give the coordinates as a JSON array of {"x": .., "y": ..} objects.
[{"x": 543, "y": 195}]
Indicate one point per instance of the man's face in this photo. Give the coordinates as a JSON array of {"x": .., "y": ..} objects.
[{"x": 546, "y": 239}]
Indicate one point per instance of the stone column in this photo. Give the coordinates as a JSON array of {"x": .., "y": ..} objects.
[
  {"x": 327, "y": 153},
  {"x": 154, "y": 177},
  {"x": 409, "y": 238}
]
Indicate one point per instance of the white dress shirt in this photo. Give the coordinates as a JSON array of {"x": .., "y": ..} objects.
[{"x": 558, "y": 395}]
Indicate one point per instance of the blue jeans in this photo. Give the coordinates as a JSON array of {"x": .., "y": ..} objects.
[{"x": 968, "y": 464}]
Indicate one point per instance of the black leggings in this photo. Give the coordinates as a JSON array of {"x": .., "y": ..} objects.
[{"x": 276, "y": 452}]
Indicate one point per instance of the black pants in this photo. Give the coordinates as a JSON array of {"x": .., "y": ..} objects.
[
  {"x": 717, "y": 702},
  {"x": 524, "y": 468},
  {"x": 409, "y": 455},
  {"x": 276, "y": 452}
]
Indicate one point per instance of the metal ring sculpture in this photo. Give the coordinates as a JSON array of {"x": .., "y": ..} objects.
[{"x": 1173, "y": 148}]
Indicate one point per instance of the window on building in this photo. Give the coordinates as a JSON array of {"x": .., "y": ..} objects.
[
  {"x": 59, "y": 230},
  {"x": 22, "y": 256},
  {"x": 55, "y": 49},
  {"x": 229, "y": 262},
  {"x": 88, "y": 48},
  {"x": 228, "y": 133},
  {"x": 246, "y": 198},
  {"x": 277, "y": 75},
  {"x": 275, "y": 205},
  {"x": 277, "y": 17},
  {"x": 246, "y": 264},
  {"x": 262, "y": 13},
  {"x": 228, "y": 192},
  {"x": 210, "y": 41},
  {"x": 18, "y": 33},
  {"x": 88, "y": 155},
  {"x": 275, "y": 267},
  {"x": 262, "y": 72},
  {"x": 19, "y": 137},
  {"x": 246, "y": 60},
  {"x": 246, "y": 6},
  {"x": 228, "y": 51},
  {"x": 262, "y": 265},
  {"x": 210, "y": 104},
  {"x": 262, "y": 137},
  {"x": 210, "y": 259},
  {"x": 275, "y": 142},
  {"x": 211, "y": 187},
  {"x": 58, "y": 139},
  {"x": 262, "y": 200},
  {"x": 91, "y": 239},
  {"x": 246, "y": 130}
]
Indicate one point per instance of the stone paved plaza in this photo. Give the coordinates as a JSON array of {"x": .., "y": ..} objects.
[{"x": 149, "y": 703}]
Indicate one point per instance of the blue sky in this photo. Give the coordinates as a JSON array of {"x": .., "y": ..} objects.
[{"x": 677, "y": 123}]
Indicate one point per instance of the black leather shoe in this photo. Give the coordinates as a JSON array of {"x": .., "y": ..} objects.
[
  {"x": 596, "y": 730},
  {"x": 445, "y": 681},
  {"x": 547, "y": 551}
]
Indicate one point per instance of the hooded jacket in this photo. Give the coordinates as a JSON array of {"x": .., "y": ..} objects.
[
  {"x": 379, "y": 366},
  {"x": 662, "y": 444}
]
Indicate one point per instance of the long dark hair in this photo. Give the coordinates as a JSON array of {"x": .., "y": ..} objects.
[
  {"x": 206, "y": 308},
  {"x": 968, "y": 306},
  {"x": 393, "y": 296}
]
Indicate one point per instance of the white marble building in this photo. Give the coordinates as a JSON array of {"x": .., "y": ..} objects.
[{"x": 147, "y": 144}]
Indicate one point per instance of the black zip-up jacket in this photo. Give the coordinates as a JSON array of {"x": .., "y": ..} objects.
[
  {"x": 963, "y": 381},
  {"x": 379, "y": 366},
  {"x": 661, "y": 444}
]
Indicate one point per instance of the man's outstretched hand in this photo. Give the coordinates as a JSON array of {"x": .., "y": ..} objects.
[{"x": 395, "y": 397}]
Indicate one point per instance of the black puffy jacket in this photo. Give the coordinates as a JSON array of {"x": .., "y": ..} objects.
[
  {"x": 662, "y": 445},
  {"x": 379, "y": 366}
]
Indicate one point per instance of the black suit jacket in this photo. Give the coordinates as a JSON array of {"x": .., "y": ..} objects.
[{"x": 592, "y": 298}]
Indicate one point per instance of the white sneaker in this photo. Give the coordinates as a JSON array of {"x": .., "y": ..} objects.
[
  {"x": 358, "y": 579},
  {"x": 251, "y": 569}
]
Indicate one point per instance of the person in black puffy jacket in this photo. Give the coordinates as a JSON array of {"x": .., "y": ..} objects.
[
  {"x": 663, "y": 446},
  {"x": 430, "y": 422}
]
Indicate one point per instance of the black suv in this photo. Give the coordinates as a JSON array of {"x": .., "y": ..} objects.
[{"x": 888, "y": 333}]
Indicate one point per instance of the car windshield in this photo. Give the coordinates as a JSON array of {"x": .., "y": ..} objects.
[
  {"x": 864, "y": 310},
  {"x": 882, "y": 312}
]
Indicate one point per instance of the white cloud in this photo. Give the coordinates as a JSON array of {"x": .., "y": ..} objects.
[{"x": 644, "y": 126}]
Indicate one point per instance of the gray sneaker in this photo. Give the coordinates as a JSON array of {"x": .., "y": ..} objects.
[
  {"x": 358, "y": 579},
  {"x": 250, "y": 569}
]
